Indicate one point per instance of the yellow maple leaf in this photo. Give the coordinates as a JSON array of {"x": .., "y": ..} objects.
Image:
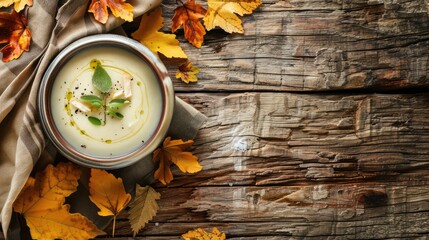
[
  {"x": 157, "y": 42},
  {"x": 19, "y": 4},
  {"x": 143, "y": 207},
  {"x": 172, "y": 151},
  {"x": 222, "y": 13},
  {"x": 201, "y": 234},
  {"x": 108, "y": 193},
  {"x": 187, "y": 72},
  {"x": 41, "y": 201},
  {"x": 119, "y": 8}
]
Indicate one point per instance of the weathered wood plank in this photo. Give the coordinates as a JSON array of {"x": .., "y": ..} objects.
[
  {"x": 305, "y": 45},
  {"x": 362, "y": 211},
  {"x": 280, "y": 165},
  {"x": 279, "y": 138}
]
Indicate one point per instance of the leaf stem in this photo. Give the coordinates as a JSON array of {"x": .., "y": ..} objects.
[
  {"x": 104, "y": 108},
  {"x": 114, "y": 225}
]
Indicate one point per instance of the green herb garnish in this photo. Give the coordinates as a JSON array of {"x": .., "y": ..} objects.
[
  {"x": 92, "y": 100},
  {"x": 117, "y": 114},
  {"x": 101, "y": 79},
  {"x": 94, "y": 121},
  {"x": 102, "y": 82},
  {"x": 115, "y": 105}
]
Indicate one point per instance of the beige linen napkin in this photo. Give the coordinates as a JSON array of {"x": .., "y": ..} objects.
[{"x": 54, "y": 24}]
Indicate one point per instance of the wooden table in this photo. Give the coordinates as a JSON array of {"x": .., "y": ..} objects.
[{"x": 318, "y": 126}]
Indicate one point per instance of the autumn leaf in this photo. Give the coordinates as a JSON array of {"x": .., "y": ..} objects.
[
  {"x": 201, "y": 234},
  {"x": 163, "y": 173},
  {"x": 108, "y": 193},
  {"x": 119, "y": 8},
  {"x": 143, "y": 207},
  {"x": 19, "y": 4},
  {"x": 172, "y": 151},
  {"x": 189, "y": 16},
  {"x": 15, "y": 32},
  {"x": 41, "y": 201},
  {"x": 222, "y": 13},
  {"x": 157, "y": 42},
  {"x": 187, "y": 72}
]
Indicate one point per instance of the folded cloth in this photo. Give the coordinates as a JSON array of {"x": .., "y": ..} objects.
[{"x": 55, "y": 24}]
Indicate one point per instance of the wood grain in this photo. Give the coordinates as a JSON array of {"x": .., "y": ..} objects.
[
  {"x": 279, "y": 165},
  {"x": 283, "y": 165},
  {"x": 345, "y": 211},
  {"x": 281, "y": 138},
  {"x": 307, "y": 45}
]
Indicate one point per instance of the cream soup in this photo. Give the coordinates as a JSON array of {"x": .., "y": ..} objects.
[{"x": 115, "y": 136}]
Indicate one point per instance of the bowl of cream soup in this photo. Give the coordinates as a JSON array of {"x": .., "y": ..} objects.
[{"x": 106, "y": 101}]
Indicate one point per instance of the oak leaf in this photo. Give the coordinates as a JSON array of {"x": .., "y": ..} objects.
[
  {"x": 119, "y": 8},
  {"x": 15, "y": 32},
  {"x": 108, "y": 193},
  {"x": 187, "y": 73},
  {"x": 222, "y": 13},
  {"x": 18, "y": 4},
  {"x": 157, "y": 42},
  {"x": 41, "y": 201},
  {"x": 201, "y": 234},
  {"x": 189, "y": 16},
  {"x": 143, "y": 207},
  {"x": 172, "y": 151}
]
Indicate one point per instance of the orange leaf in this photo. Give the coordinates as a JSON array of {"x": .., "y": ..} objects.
[
  {"x": 187, "y": 72},
  {"x": 41, "y": 201},
  {"x": 157, "y": 42},
  {"x": 15, "y": 32},
  {"x": 19, "y": 4},
  {"x": 172, "y": 151},
  {"x": 108, "y": 193},
  {"x": 119, "y": 9},
  {"x": 188, "y": 15},
  {"x": 201, "y": 234}
]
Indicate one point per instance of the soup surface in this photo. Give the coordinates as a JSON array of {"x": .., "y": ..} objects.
[{"x": 106, "y": 129}]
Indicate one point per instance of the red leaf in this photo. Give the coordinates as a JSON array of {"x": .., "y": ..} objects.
[
  {"x": 15, "y": 32},
  {"x": 188, "y": 15}
]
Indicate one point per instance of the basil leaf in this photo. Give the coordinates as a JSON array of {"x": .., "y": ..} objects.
[
  {"x": 115, "y": 104},
  {"x": 97, "y": 104},
  {"x": 119, "y": 115},
  {"x": 101, "y": 79},
  {"x": 94, "y": 121},
  {"x": 115, "y": 114},
  {"x": 92, "y": 100}
]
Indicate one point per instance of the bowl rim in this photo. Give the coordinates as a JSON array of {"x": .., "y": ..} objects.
[{"x": 54, "y": 135}]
